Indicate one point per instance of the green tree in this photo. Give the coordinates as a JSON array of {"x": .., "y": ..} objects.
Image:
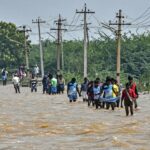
[{"x": 11, "y": 45}]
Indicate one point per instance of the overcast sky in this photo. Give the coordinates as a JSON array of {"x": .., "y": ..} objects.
[{"x": 21, "y": 12}]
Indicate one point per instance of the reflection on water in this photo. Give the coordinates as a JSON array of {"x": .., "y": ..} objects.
[{"x": 37, "y": 121}]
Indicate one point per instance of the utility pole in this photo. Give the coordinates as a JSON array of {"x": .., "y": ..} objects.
[
  {"x": 59, "y": 42},
  {"x": 24, "y": 30},
  {"x": 62, "y": 53},
  {"x": 39, "y": 21},
  {"x": 88, "y": 41},
  {"x": 85, "y": 12},
  {"x": 119, "y": 23}
]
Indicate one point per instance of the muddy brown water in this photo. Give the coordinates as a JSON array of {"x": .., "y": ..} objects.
[{"x": 36, "y": 121}]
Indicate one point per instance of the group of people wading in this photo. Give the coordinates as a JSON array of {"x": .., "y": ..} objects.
[
  {"x": 98, "y": 94},
  {"x": 52, "y": 85},
  {"x": 105, "y": 95}
]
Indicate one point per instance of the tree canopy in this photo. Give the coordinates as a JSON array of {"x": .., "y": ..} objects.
[
  {"x": 11, "y": 45},
  {"x": 135, "y": 54}
]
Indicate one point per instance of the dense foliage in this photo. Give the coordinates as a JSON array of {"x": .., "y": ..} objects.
[
  {"x": 135, "y": 55},
  {"x": 11, "y": 45}
]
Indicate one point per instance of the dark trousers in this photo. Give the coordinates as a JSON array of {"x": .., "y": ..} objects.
[
  {"x": 90, "y": 100},
  {"x": 4, "y": 82},
  {"x": 118, "y": 102},
  {"x": 17, "y": 88},
  {"x": 60, "y": 88},
  {"x": 127, "y": 110},
  {"x": 45, "y": 89},
  {"x": 128, "y": 105},
  {"x": 108, "y": 104},
  {"x": 33, "y": 89},
  {"x": 103, "y": 104}
]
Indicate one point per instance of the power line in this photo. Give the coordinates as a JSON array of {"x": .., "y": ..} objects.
[
  {"x": 143, "y": 21},
  {"x": 73, "y": 19},
  {"x": 142, "y": 15}
]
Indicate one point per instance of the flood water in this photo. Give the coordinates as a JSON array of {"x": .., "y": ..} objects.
[{"x": 36, "y": 121}]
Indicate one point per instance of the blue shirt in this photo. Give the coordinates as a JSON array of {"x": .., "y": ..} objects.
[
  {"x": 72, "y": 88},
  {"x": 108, "y": 92}
]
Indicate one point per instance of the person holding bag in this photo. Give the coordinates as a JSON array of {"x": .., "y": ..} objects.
[
  {"x": 133, "y": 86},
  {"x": 128, "y": 95}
]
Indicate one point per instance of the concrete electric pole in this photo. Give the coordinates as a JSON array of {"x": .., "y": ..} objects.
[
  {"x": 59, "y": 42},
  {"x": 39, "y": 21},
  {"x": 119, "y": 23},
  {"x": 85, "y": 12},
  {"x": 25, "y": 30}
]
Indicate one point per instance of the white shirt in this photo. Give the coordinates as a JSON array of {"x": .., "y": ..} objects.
[
  {"x": 36, "y": 70},
  {"x": 15, "y": 80}
]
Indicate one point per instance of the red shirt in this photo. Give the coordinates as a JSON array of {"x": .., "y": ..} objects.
[
  {"x": 133, "y": 87},
  {"x": 131, "y": 93}
]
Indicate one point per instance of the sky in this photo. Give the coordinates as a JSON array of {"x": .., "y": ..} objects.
[{"x": 22, "y": 12}]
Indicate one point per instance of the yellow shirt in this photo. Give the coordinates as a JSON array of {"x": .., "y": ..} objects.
[{"x": 115, "y": 90}]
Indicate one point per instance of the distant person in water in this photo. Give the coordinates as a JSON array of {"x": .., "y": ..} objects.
[
  {"x": 90, "y": 93},
  {"x": 33, "y": 83},
  {"x": 16, "y": 83},
  {"x": 60, "y": 84},
  {"x": 4, "y": 76},
  {"x": 128, "y": 96},
  {"x": 116, "y": 91},
  {"x": 83, "y": 90},
  {"x": 72, "y": 90},
  {"x": 53, "y": 82},
  {"x": 133, "y": 86},
  {"x": 97, "y": 92},
  {"x": 45, "y": 84},
  {"x": 107, "y": 92},
  {"x": 36, "y": 71}
]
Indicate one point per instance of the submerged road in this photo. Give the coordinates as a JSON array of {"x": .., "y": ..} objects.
[{"x": 36, "y": 121}]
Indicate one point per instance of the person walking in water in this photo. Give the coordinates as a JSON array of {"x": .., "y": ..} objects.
[
  {"x": 116, "y": 92},
  {"x": 16, "y": 83},
  {"x": 33, "y": 84},
  {"x": 60, "y": 84},
  {"x": 45, "y": 84},
  {"x": 107, "y": 93},
  {"x": 97, "y": 92},
  {"x": 83, "y": 90},
  {"x": 133, "y": 86},
  {"x": 4, "y": 76},
  {"x": 90, "y": 93},
  {"x": 128, "y": 96},
  {"x": 53, "y": 85},
  {"x": 36, "y": 70},
  {"x": 72, "y": 90}
]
